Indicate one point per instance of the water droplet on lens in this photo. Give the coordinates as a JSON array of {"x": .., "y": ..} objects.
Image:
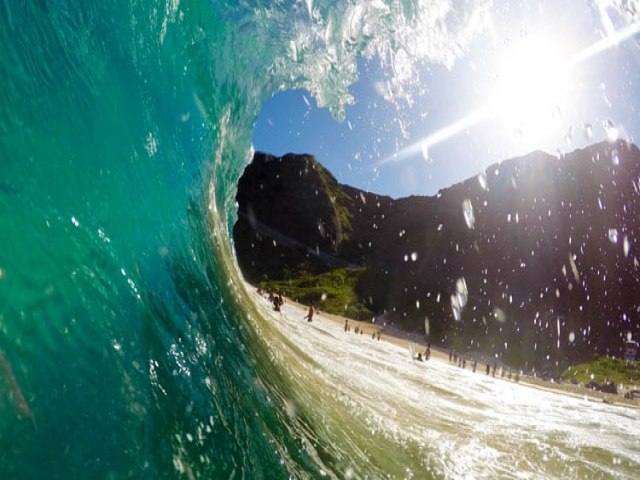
[
  {"x": 482, "y": 180},
  {"x": 588, "y": 131},
  {"x": 613, "y": 235},
  {"x": 467, "y": 209},
  {"x": 461, "y": 292},
  {"x": 626, "y": 246},
  {"x": 610, "y": 129},
  {"x": 425, "y": 152},
  {"x": 615, "y": 159},
  {"x": 568, "y": 137},
  {"x": 455, "y": 308}
]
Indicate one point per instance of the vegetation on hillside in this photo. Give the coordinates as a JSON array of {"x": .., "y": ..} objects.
[
  {"x": 603, "y": 370},
  {"x": 332, "y": 292}
]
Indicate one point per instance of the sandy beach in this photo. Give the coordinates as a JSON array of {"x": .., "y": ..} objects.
[{"x": 417, "y": 343}]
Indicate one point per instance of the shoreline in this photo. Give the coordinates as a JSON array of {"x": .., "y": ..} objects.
[{"x": 405, "y": 339}]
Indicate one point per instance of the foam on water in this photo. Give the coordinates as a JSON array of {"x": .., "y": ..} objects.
[{"x": 452, "y": 421}]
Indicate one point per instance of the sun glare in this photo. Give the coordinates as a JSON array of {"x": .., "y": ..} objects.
[{"x": 531, "y": 84}]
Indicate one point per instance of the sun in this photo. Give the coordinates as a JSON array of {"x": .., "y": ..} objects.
[{"x": 532, "y": 81}]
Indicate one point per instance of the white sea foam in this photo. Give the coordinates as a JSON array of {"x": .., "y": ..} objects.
[{"x": 464, "y": 424}]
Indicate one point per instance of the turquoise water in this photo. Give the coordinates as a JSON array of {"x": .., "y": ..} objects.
[
  {"x": 127, "y": 348},
  {"x": 116, "y": 320}
]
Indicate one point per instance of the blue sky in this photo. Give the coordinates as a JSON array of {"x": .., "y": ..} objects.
[{"x": 519, "y": 98}]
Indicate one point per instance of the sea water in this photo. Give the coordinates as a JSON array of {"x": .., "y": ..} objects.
[{"x": 128, "y": 348}]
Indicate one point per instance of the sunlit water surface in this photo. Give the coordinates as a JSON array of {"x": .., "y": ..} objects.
[{"x": 454, "y": 422}]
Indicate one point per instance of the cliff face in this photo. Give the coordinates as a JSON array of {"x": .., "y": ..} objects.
[{"x": 535, "y": 260}]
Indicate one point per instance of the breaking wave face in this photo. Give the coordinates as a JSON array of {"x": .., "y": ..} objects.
[{"x": 127, "y": 346}]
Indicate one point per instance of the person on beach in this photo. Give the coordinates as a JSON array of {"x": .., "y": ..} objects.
[
  {"x": 346, "y": 325},
  {"x": 488, "y": 369},
  {"x": 378, "y": 335},
  {"x": 419, "y": 357},
  {"x": 277, "y": 302},
  {"x": 427, "y": 353},
  {"x": 310, "y": 314},
  {"x": 474, "y": 365}
]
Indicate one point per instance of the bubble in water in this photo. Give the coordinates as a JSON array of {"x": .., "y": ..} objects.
[
  {"x": 414, "y": 256},
  {"x": 613, "y": 235},
  {"x": 588, "y": 131},
  {"x": 291, "y": 409},
  {"x": 151, "y": 145},
  {"x": 626, "y": 246},
  {"x": 610, "y": 129},
  {"x": 572, "y": 337},
  {"x": 75, "y": 222},
  {"x": 323, "y": 297},
  {"x": 467, "y": 209},
  {"x": 426, "y": 326},
  {"x": 482, "y": 180},
  {"x": 440, "y": 227}
]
